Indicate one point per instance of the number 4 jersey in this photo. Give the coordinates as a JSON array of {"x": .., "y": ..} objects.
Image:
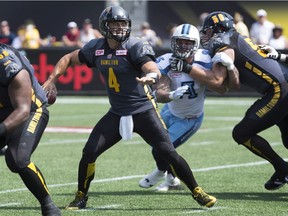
[{"x": 119, "y": 68}]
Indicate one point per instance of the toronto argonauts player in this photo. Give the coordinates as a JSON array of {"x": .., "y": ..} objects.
[{"x": 184, "y": 98}]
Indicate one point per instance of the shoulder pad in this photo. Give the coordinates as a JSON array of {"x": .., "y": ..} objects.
[{"x": 219, "y": 41}]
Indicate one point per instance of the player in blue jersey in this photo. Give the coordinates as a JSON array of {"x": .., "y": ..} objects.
[
  {"x": 259, "y": 72},
  {"x": 23, "y": 119},
  {"x": 127, "y": 65},
  {"x": 184, "y": 97}
]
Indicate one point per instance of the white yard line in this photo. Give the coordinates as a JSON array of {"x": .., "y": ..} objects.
[
  {"x": 140, "y": 176},
  {"x": 9, "y": 204}
]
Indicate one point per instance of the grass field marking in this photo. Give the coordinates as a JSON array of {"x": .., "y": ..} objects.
[
  {"x": 104, "y": 100},
  {"x": 140, "y": 176},
  {"x": 204, "y": 210},
  {"x": 88, "y": 130},
  {"x": 230, "y": 166},
  {"x": 113, "y": 206},
  {"x": 10, "y": 204}
]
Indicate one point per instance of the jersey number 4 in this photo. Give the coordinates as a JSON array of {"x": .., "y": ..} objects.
[{"x": 112, "y": 81}]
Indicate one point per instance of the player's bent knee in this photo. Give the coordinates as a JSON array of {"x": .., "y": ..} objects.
[
  {"x": 237, "y": 136},
  {"x": 13, "y": 164}
]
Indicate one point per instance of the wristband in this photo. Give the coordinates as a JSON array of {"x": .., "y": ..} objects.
[
  {"x": 282, "y": 58},
  {"x": 3, "y": 129},
  {"x": 154, "y": 95},
  {"x": 153, "y": 75}
]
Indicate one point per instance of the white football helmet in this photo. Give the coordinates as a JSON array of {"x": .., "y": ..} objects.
[{"x": 185, "y": 41}]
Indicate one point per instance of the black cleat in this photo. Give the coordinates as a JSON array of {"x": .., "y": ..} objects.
[
  {"x": 79, "y": 202},
  {"x": 2, "y": 151},
  {"x": 51, "y": 210},
  {"x": 276, "y": 181}
]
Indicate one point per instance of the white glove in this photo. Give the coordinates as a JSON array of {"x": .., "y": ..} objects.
[
  {"x": 178, "y": 93},
  {"x": 271, "y": 52},
  {"x": 180, "y": 65},
  {"x": 224, "y": 59}
]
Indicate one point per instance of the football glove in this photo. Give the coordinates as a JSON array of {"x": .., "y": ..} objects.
[
  {"x": 271, "y": 52},
  {"x": 178, "y": 93},
  {"x": 224, "y": 59},
  {"x": 180, "y": 65}
]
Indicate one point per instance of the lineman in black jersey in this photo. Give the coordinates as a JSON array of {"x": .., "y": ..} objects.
[
  {"x": 23, "y": 118},
  {"x": 127, "y": 64},
  {"x": 260, "y": 73}
]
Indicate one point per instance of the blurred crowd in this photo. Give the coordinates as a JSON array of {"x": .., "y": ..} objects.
[{"x": 27, "y": 36}]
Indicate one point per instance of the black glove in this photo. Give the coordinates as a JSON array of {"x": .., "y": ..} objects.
[{"x": 180, "y": 65}]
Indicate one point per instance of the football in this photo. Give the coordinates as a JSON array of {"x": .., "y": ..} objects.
[{"x": 51, "y": 96}]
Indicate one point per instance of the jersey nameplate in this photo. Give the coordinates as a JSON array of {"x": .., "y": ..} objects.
[{"x": 121, "y": 52}]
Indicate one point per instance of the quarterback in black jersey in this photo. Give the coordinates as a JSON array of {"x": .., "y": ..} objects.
[
  {"x": 23, "y": 118},
  {"x": 259, "y": 72},
  {"x": 127, "y": 64}
]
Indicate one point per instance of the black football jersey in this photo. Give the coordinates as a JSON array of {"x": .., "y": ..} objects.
[
  {"x": 119, "y": 69},
  {"x": 255, "y": 70},
  {"x": 11, "y": 63}
]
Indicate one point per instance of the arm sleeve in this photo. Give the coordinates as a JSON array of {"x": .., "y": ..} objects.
[{"x": 10, "y": 65}]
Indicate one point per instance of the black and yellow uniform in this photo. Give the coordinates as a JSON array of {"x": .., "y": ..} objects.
[
  {"x": 23, "y": 140},
  {"x": 266, "y": 77},
  {"x": 120, "y": 68}
]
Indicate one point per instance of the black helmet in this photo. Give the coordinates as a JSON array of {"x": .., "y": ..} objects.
[
  {"x": 115, "y": 13},
  {"x": 218, "y": 22}
]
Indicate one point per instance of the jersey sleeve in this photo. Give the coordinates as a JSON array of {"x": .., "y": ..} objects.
[
  {"x": 218, "y": 42},
  {"x": 163, "y": 63},
  {"x": 10, "y": 65},
  {"x": 139, "y": 49},
  {"x": 202, "y": 59},
  {"x": 87, "y": 53}
]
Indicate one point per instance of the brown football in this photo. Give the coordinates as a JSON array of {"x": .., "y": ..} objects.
[{"x": 51, "y": 96}]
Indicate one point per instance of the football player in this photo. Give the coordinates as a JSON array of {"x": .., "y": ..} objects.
[
  {"x": 23, "y": 119},
  {"x": 127, "y": 64},
  {"x": 258, "y": 72},
  {"x": 184, "y": 97}
]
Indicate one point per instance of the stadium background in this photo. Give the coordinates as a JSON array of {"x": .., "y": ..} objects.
[{"x": 52, "y": 17}]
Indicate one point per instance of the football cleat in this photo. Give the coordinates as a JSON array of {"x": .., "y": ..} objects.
[
  {"x": 51, "y": 210},
  {"x": 276, "y": 181},
  {"x": 2, "y": 151},
  {"x": 79, "y": 202},
  {"x": 171, "y": 183},
  {"x": 152, "y": 179},
  {"x": 203, "y": 198}
]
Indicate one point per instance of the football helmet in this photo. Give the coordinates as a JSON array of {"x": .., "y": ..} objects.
[
  {"x": 216, "y": 22},
  {"x": 185, "y": 41},
  {"x": 115, "y": 13}
]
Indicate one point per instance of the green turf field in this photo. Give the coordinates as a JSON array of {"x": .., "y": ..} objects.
[{"x": 224, "y": 169}]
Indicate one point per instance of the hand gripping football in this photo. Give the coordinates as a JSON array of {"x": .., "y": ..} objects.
[{"x": 51, "y": 96}]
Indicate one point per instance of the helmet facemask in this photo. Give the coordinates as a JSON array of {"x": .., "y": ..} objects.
[
  {"x": 183, "y": 47},
  {"x": 114, "y": 23},
  {"x": 185, "y": 41},
  {"x": 205, "y": 36},
  {"x": 118, "y": 30}
]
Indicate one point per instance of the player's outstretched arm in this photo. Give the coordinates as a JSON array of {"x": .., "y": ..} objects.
[{"x": 274, "y": 54}]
